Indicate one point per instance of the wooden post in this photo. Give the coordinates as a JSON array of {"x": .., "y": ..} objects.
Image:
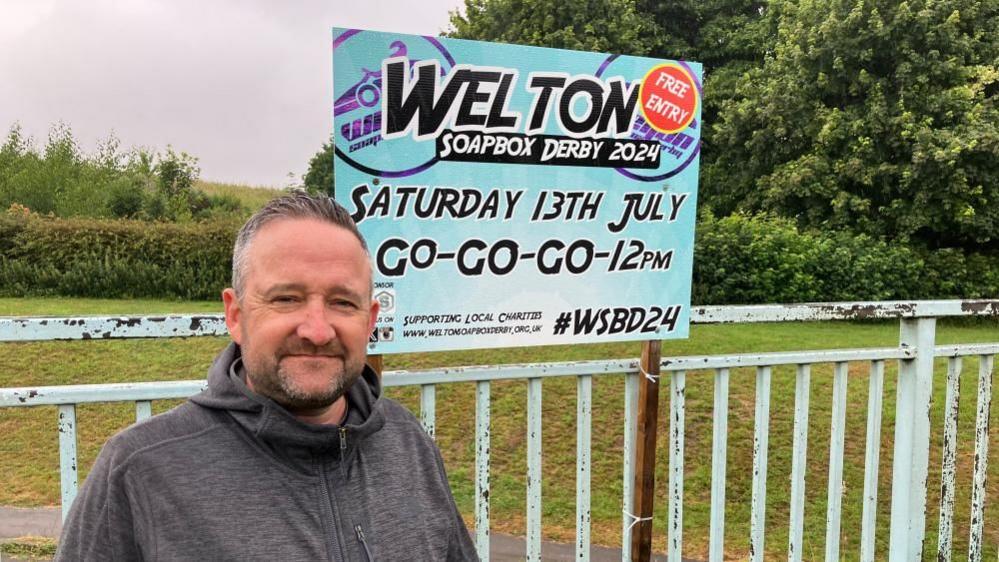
[
  {"x": 645, "y": 451},
  {"x": 377, "y": 363}
]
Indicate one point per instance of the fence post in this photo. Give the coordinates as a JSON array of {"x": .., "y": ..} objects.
[
  {"x": 912, "y": 441},
  {"x": 67, "y": 456},
  {"x": 377, "y": 363},
  {"x": 645, "y": 451}
]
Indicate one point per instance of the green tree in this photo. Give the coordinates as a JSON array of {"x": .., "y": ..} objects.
[
  {"x": 728, "y": 36},
  {"x": 319, "y": 177},
  {"x": 63, "y": 180},
  {"x": 874, "y": 115},
  {"x": 613, "y": 26},
  {"x": 177, "y": 172}
]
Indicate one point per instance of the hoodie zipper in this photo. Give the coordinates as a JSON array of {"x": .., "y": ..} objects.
[
  {"x": 343, "y": 453},
  {"x": 335, "y": 549},
  {"x": 343, "y": 473},
  {"x": 360, "y": 537}
]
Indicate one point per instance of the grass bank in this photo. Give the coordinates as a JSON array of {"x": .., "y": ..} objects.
[
  {"x": 29, "y": 452},
  {"x": 251, "y": 197}
]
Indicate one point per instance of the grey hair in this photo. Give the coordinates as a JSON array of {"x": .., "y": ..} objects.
[{"x": 298, "y": 204}]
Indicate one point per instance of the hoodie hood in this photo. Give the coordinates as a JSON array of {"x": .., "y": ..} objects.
[{"x": 276, "y": 426}]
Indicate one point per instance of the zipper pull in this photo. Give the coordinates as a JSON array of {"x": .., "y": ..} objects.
[
  {"x": 343, "y": 452},
  {"x": 364, "y": 543}
]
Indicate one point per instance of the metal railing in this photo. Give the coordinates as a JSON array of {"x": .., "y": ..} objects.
[{"x": 911, "y": 443}]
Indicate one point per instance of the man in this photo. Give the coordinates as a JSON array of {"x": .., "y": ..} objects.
[{"x": 290, "y": 453}]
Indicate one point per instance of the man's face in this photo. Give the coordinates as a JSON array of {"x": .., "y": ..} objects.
[{"x": 305, "y": 314}]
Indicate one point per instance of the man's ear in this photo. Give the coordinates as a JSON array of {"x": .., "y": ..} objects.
[
  {"x": 372, "y": 317},
  {"x": 233, "y": 314}
]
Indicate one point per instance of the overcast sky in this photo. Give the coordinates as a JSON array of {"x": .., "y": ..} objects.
[{"x": 244, "y": 85}]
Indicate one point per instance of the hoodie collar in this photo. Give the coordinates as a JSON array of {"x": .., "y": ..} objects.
[{"x": 271, "y": 423}]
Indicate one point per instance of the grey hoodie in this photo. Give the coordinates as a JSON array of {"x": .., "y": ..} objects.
[{"x": 230, "y": 475}]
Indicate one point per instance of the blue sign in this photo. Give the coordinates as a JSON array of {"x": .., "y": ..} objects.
[{"x": 516, "y": 195}]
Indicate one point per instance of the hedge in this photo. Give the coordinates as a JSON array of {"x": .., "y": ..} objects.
[
  {"x": 115, "y": 258},
  {"x": 748, "y": 260},
  {"x": 738, "y": 260}
]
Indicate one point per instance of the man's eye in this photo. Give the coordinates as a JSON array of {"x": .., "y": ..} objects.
[
  {"x": 340, "y": 303},
  {"x": 284, "y": 299}
]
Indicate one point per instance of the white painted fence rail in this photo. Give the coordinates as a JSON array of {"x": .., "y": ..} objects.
[{"x": 911, "y": 437}]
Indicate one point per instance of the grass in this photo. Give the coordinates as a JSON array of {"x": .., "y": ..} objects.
[
  {"x": 251, "y": 197},
  {"x": 29, "y": 453},
  {"x": 29, "y": 548}
]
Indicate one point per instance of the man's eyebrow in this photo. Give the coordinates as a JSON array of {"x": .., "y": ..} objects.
[
  {"x": 298, "y": 287},
  {"x": 347, "y": 292},
  {"x": 284, "y": 287}
]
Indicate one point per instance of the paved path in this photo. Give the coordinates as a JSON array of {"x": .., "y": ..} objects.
[
  {"x": 47, "y": 522},
  {"x": 36, "y": 522}
]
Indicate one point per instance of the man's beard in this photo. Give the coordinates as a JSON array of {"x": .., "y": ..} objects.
[{"x": 269, "y": 377}]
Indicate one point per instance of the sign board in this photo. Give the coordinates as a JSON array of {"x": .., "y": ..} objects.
[{"x": 517, "y": 195}]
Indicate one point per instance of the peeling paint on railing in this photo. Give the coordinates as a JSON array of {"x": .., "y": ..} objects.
[
  {"x": 841, "y": 311},
  {"x": 103, "y": 327}
]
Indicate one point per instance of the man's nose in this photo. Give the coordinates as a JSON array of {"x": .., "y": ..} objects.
[{"x": 315, "y": 327}]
